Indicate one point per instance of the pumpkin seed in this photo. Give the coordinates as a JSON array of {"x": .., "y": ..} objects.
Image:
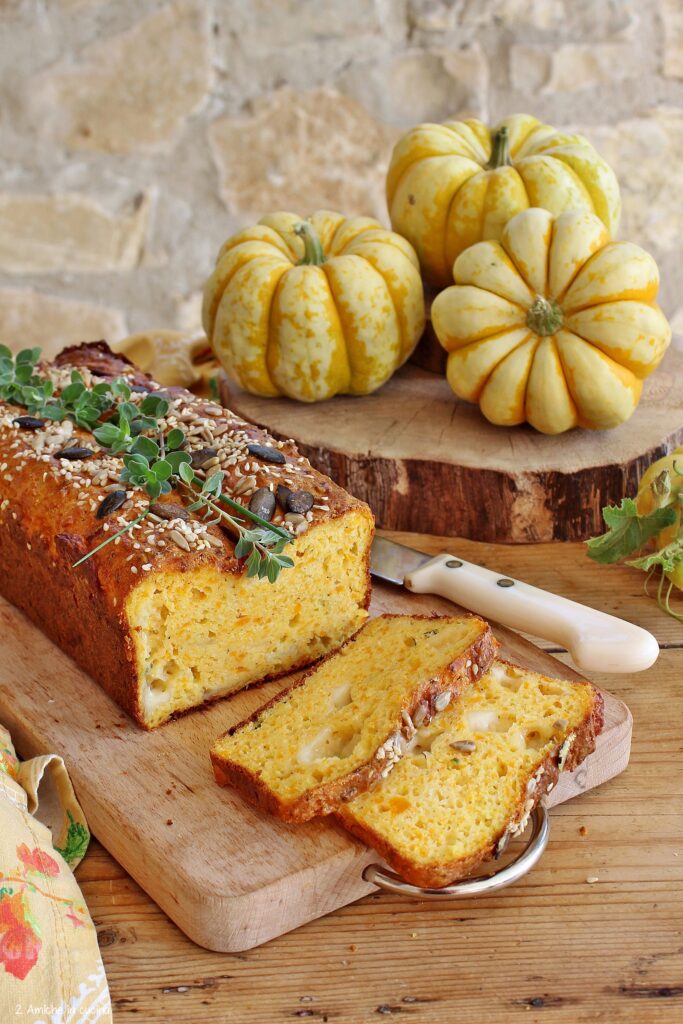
[
  {"x": 177, "y": 538},
  {"x": 111, "y": 503},
  {"x": 29, "y": 422},
  {"x": 266, "y": 454},
  {"x": 283, "y": 494},
  {"x": 300, "y": 501},
  {"x": 74, "y": 454},
  {"x": 200, "y": 458},
  {"x": 263, "y": 503},
  {"x": 167, "y": 510}
]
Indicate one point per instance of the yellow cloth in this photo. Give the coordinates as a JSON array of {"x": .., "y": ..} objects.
[
  {"x": 172, "y": 358},
  {"x": 51, "y": 971}
]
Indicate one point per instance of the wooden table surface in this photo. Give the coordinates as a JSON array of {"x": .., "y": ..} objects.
[{"x": 553, "y": 948}]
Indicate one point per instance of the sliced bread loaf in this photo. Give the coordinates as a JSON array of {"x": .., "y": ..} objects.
[
  {"x": 472, "y": 776},
  {"x": 346, "y": 723}
]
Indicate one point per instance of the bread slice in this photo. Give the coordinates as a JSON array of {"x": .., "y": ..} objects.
[
  {"x": 473, "y": 775},
  {"x": 346, "y": 723}
]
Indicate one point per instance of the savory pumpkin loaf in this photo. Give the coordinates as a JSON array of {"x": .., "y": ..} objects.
[
  {"x": 472, "y": 776},
  {"x": 346, "y": 723},
  {"x": 165, "y": 617}
]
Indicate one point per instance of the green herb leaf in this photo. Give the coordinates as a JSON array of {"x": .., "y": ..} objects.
[
  {"x": 628, "y": 531},
  {"x": 175, "y": 438},
  {"x": 145, "y": 446},
  {"x": 177, "y": 459},
  {"x": 667, "y": 558},
  {"x": 186, "y": 473}
]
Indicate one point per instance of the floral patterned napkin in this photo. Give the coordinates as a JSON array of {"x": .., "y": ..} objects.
[{"x": 51, "y": 971}]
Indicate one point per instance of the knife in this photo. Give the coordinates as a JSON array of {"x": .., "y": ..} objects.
[{"x": 596, "y": 641}]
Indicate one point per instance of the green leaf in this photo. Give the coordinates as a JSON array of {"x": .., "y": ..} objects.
[
  {"x": 253, "y": 563},
  {"x": 186, "y": 472},
  {"x": 154, "y": 489},
  {"x": 177, "y": 459},
  {"x": 153, "y": 405},
  {"x": 27, "y": 357},
  {"x": 120, "y": 388},
  {"x": 5, "y": 353},
  {"x": 107, "y": 434},
  {"x": 668, "y": 558},
  {"x": 243, "y": 547},
  {"x": 73, "y": 391},
  {"x": 162, "y": 469},
  {"x": 175, "y": 438},
  {"x": 628, "y": 531},
  {"x": 273, "y": 570},
  {"x": 213, "y": 484},
  {"x": 145, "y": 446}
]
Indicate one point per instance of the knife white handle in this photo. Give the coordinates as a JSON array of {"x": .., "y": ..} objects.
[{"x": 596, "y": 641}]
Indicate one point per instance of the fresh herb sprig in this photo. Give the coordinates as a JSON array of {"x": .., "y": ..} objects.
[
  {"x": 632, "y": 532},
  {"x": 155, "y": 466}
]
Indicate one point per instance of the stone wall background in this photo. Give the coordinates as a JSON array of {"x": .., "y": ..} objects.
[{"x": 137, "y": 135}]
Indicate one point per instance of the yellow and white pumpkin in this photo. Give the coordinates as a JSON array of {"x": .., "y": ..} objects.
[
  {"x": 311, "y": 308},
  {"x": 554, "y": 324},
  {"x": 453, "y": 184}
]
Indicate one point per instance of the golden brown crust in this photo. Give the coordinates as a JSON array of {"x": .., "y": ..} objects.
[
  {"x": 436, "y": 876},
  {"x": 330, "y": 796},
  {"x": 46, "y": 525}
]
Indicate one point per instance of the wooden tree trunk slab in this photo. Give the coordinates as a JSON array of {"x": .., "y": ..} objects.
[{"x": 427, "y": 462}]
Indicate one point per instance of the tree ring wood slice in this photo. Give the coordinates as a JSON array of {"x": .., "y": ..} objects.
[{"x": 427, "y": 462}]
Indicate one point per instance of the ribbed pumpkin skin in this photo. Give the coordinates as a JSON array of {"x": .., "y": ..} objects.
[
  {"x": 280, "y": 327},
  {"x": 582, "y": 367},
  {"x": 442, "y": 197}
]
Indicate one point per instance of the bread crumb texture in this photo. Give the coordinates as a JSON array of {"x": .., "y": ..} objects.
[
  {"x": 472, "y": 775},
  {"x": 353, "y": 708},
  {"x": 202, "y": 634}
]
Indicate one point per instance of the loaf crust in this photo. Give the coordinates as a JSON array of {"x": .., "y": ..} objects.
[
  {"x": 330, "y": 796},
  {"x": 547, "y": 774},
  {"x": 45, "y": 528}
]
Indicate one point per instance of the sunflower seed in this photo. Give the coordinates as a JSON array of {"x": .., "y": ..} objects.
[
  {"x": 421, "y": 713},
  {"x": 247, "y": 483},
  {"x": 464, "y": 746},
  {"x": 442, "y": 700},
  {"x": 177, "y": 538}
]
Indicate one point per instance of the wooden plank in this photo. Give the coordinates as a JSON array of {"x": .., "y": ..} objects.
[
  {"x": 229, "y": 876},
  {"x": 425, "y": 460}
]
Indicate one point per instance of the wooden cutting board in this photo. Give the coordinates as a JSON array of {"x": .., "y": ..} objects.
[
  {"x": 428, "y": 462},
  {"x": 228, "y": 875}
]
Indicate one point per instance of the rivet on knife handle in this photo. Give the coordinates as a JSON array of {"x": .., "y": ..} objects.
[{"x": 596, "y": 641}]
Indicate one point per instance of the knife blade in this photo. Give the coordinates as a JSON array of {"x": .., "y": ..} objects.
[{"x": 596, "y": 641}]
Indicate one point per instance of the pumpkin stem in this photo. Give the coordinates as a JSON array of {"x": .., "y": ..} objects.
[
  {"x": 313, "y": 250},
  {"x": 544, "y": 316},
  {"x": 500, "y": 150}
]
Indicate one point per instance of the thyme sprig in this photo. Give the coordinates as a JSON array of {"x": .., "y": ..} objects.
[{"x": 156, "y": 465}]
